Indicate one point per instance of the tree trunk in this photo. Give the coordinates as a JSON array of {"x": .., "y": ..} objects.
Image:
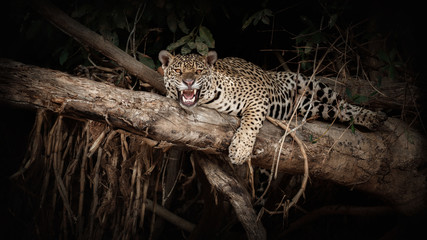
[{"x": 387, "y": 163}]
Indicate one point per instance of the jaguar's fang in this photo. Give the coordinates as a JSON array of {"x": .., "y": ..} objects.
[{"x": 189, "y": 97}]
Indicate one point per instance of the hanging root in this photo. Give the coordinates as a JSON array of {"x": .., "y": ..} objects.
[
  {"x": 92, "y": 181},
  {"x": 293, "y": 202}
]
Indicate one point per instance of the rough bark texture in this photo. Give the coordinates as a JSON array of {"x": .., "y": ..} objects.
[
  {"x": 388, "y": 163},
  {"x": 239, "y": 198}
]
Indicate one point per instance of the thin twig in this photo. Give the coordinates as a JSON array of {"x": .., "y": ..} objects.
[{"x": 169, "y": 216}]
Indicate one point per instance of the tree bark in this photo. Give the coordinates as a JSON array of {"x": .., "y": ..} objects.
[
  {"x": 388, "y": 163},
  {"x": 238, "y": 197}
]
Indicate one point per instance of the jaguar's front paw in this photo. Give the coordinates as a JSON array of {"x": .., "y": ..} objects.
[{"x": 239, "y": 152}]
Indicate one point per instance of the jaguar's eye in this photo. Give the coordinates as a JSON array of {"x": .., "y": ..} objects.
[
  {"x": 178, "y": 70},
  {"x": 198, "y": 71}
]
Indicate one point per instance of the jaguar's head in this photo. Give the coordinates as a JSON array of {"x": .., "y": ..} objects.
[{"x": 187, "y": 77}]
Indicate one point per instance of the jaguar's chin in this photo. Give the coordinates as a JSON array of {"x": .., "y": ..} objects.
[{"x": 188, "y": 97}]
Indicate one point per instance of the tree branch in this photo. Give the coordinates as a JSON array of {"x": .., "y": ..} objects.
[
  {"x": 239, "y": 198},
  {"x": 387, "y": 163},
  {"x": 93, "y": 40}
]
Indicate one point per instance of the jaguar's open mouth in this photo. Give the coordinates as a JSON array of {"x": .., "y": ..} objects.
[{"x": 188, "y": 97}]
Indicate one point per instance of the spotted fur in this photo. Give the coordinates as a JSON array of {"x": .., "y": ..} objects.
[{"x": 240, "y": 88}]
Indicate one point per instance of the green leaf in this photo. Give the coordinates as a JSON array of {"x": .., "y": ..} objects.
[
  {"x": 332, "y": 20},
  {"x": 257, "y": 17},
  {"x": 306, "y": 65},
  {"x": 207, "y": 36},
  {"x": 348, "y": 93},
  {"x": 63, "y": 57},
  {"x": 308, "y": 48},
  {"x": 183, "y": 27},
  {"x": 202, "y": 48},
  {"x": 373, "y": 93},
  {"x": 262, "y": 15},
  {"x": 265, "y": 20},
  {"x": 110, "y": 36},
  {"x": 247, "y": 23},
  {"x": 311, "y": 139},
  {"x": 185, "y": 49},
  {"x": 191, "y": 45},
  {"x": 358, "y": 99},
  {"x": 179, "y": 43},
  {"x": 268, "y": 12},
  {"x": 383, "y": 56},
  {"x": 147, "y": 61}
]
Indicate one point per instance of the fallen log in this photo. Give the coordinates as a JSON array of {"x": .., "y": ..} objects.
[{"x": 388, "y": 163}]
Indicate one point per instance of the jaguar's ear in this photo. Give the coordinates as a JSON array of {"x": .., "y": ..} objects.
[
  {"x": 165, "y": 57},
  {"x": 211, "y": 57}
]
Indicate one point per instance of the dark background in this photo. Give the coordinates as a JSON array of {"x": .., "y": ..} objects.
[{"x": 28, "y": 38}]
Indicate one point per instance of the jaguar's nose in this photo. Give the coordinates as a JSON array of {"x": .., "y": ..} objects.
[
  {"x": 188, "y": 81},
  {"x": 188, "y": 78}
]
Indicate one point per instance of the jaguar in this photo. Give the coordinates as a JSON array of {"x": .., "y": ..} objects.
[{"x": 240, "y": 88}]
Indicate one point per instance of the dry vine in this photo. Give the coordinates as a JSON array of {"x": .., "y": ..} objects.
[{"x": 300, "y": 192}]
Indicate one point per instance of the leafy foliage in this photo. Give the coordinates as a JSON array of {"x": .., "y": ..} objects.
[
  {"x": 201, "y": 40},
  {"x": 391, "y": 62},
  {"x": 304, "y": 30},
  {"x": 262, "y": 15}
]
